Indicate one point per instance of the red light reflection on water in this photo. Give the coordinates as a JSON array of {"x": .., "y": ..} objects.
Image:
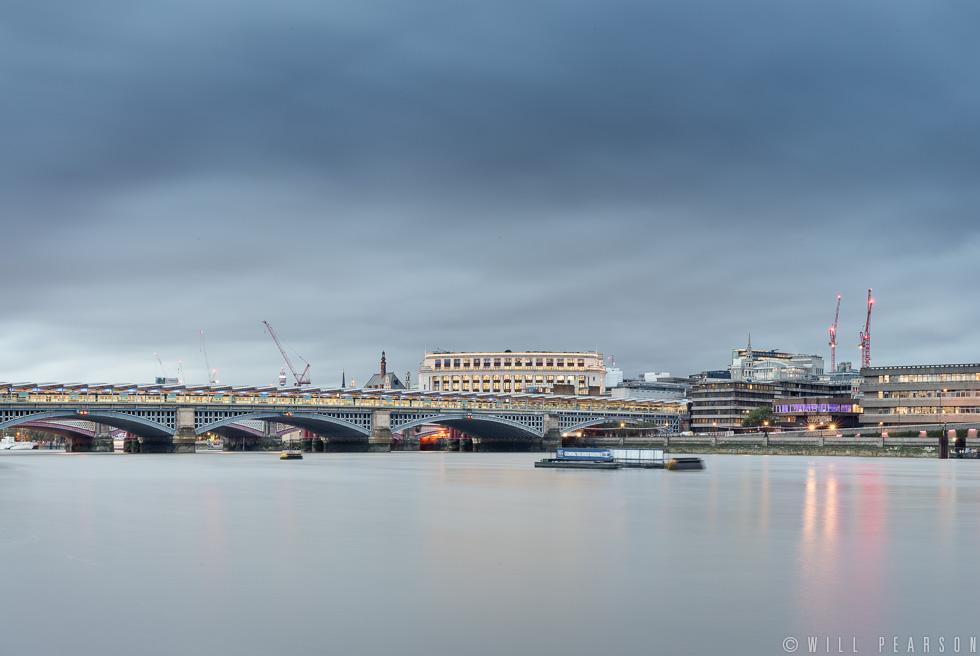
[{"x": 842, "y": 550}]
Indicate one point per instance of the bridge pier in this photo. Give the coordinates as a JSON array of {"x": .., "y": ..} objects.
[
  {"x": 156, "y": 445},
  {"x": 381, "y": 436},
  {"x": 410, "y": 440},
  {"x": 79, "y": 444},
  {"x": 185, "y": 439},
  {"x": 244, "y": 443},
  {"x": 103, "y": 439},
  {"x": 552, "y": 434},
  {"x": 271, "y": 441}
]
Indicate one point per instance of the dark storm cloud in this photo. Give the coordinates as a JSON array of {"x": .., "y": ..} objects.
[{"x": 655, "y": 179}]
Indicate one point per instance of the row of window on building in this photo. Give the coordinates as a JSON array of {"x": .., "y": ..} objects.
[
  {"x": 930, "y": 378},
  {"x": 498, "y": 383},
  {"x": 926, "y": 410},
  {"x": 929, "y": 394},
  {"x": 495, "y": 363}
]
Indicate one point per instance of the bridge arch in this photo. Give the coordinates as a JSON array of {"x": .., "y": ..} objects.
[
  {"x": 311, "y": 421},
  {"x": 128, "y": 422},
  {"x": 476, "y": 425},
  {"x": 64, "y": 429},
  {"x": 664, "y": 423}
]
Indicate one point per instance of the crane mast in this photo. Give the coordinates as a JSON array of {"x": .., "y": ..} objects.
[
  {"x": 161, "y": 379},
  {"x": 301, "y": 379},
  {"x": 865, "y": 345},
  {"x": 212, "y": 373},
  {"x": 833, "y": 339}
]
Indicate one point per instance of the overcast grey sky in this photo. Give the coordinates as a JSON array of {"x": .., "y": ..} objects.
[{"x": 652, "y": 179}]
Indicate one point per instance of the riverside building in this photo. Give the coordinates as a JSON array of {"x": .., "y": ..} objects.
[
  {"x": 722, "y": 405},
  {"x": 577, "y": 373},
  {"x": 921, "y": 394}
]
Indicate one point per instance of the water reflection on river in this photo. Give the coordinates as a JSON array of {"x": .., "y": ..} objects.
[{"x": 430, "y": 553}]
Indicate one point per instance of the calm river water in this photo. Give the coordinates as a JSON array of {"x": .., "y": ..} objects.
[{"x": 481, "y": 554}]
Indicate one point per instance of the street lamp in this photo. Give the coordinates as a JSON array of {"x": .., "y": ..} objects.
[{"x": 765, "y": 428}]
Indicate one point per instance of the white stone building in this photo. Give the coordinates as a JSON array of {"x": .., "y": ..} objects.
[{"x": 513, "y": 372}]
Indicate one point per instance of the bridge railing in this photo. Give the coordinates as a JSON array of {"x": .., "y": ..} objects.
[{"x": 585, "y": 404}]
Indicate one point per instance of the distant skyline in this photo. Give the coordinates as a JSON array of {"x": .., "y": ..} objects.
[{"x": 652, "y": 180}]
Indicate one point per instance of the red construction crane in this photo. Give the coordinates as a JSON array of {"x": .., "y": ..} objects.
[
  {"x": 865, "y": 345},
  {"x": 833, "y": 339},
  {"x": 301, "y": 379}
]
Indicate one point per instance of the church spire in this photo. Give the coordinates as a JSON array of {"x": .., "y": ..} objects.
[
  {"x": 383, "y": 365},
  {"x": 343, "y": 378}
]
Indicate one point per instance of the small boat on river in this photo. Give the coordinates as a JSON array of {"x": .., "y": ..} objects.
[
  {"x": 10, "y": 444},
  {"x": 580, "y": 459},
  {"x": 685, "y": 464},
  {"x": 291, "y": 455}
]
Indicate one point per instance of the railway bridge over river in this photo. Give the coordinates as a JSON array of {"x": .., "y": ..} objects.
[{"x": 172, "y": 418}]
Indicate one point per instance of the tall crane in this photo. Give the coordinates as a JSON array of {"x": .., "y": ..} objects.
[
  {"x": 161, "y": 379},
  {"x": 833, "y": 339},
  {"x": 865, "y": 345},
  {"x": 301, "y": 379},
  {"x": 180, "y": 373},
  {"x": 212, "y": 373}
]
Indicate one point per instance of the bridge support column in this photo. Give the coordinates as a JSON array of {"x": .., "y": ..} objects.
[
  {"x": 271, "y": 441},
  {"x": 79, "y": 444},
  {"x": 185, "y": 439},
  {"x": 103, "y": 439},
  {"x": 552, "y": 434},
  {"x": 381, "y": 437},
  {"x": 409, "y": 441}
]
